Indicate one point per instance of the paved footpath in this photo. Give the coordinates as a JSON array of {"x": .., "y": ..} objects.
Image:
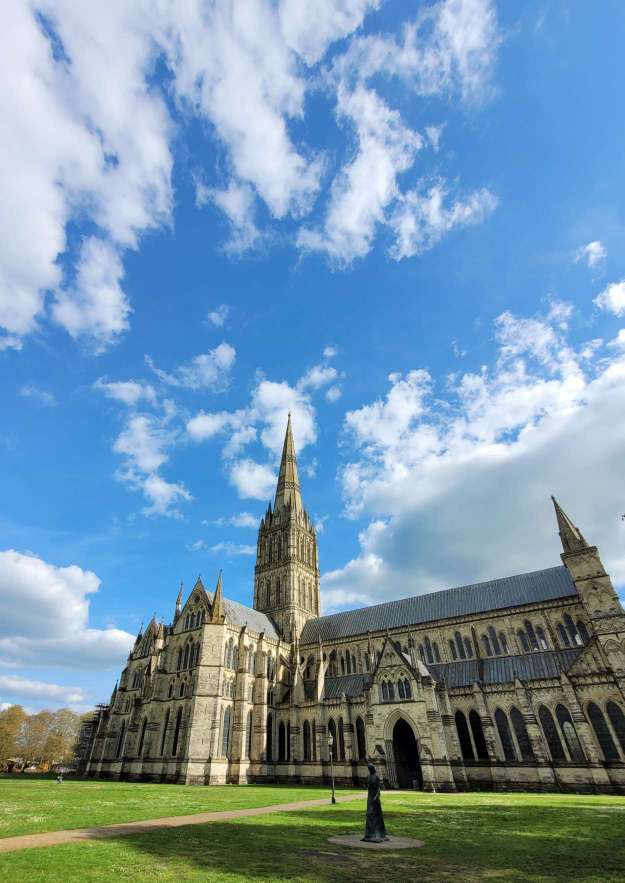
[{"x": 54, "y": 838}]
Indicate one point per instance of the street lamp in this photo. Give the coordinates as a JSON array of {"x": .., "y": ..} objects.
[{"x": 330, "y": 744}]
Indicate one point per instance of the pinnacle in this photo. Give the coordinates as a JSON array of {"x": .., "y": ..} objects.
[{"x": 571, "y": 536}]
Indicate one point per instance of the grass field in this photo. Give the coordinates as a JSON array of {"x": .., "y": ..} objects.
[{"x": 468, "y": 837}]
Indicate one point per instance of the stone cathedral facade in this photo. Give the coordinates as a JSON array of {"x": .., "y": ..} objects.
[{"x": 516, "y": 683}]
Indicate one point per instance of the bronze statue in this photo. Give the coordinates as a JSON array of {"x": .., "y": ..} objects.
[{"x": 375, "y": 830}]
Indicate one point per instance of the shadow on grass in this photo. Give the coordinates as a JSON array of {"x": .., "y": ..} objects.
[{"x": 462, "y": 843}]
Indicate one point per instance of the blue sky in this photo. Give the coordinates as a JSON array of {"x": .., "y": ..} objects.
[{"x": 402, "y": 221}]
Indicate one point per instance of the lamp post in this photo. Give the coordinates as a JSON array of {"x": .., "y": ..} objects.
[{"x": 330, "y": 744}]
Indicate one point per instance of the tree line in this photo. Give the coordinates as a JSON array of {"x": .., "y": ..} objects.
[{"x": 41, "y": 739}]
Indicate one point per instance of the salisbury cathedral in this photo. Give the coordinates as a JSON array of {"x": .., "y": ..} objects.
[{"x": 515, "y": 683}]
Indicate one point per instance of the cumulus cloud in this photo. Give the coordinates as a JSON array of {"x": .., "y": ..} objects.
[
  {"x": 29, "y": 391},
  {"x": 333, "y": 394},
  {"x": 230, "y": 549},
  {"x": 541, "y": 419},
  {"x": 44, "y": 616},
  {"x": 592, "y": 254},
  {"x": 241, "y": 519},
  {"x": 209, "y": 370},
  {"x": 612, "y": 298},
  {"x": 252, "y": 480}
]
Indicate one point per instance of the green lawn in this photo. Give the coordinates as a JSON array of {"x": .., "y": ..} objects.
[
  {"x": 29, "y": 806},
  {"x": 468, "y": 837}
]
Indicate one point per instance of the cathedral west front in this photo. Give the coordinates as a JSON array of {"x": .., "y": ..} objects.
[{"x": 515, "y": 683}]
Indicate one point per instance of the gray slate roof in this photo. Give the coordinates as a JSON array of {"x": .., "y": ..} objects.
[
  {"x": 504, "y": 669},
  {"x": 239, "y": 614},
  {"x": 510, "y": 591}
]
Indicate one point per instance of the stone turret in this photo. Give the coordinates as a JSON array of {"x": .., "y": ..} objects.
[{"x": 286, "y": 583}]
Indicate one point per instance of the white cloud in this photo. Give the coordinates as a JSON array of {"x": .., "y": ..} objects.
[
  {"x": 365, "y": 186},
  {"x": 309, "y": 28},
  {"x": 330, "y": 352},
  {"x": 420, "y": 220},
  {"x": 252, "y": 480},
  {"x": 231, "y": 549},
  {"x": 593, "y": 253},
  {"x": 218, "y": 316},
  {"x": 208, "y": 370},
  {"x": 96, "y": 306},
  {"x": 619, "y": 340},
  {"x": 29, "y": 391},
  {"x": 241, "y": 519},
  {"x": 14, "y": 685},
  {"x": 333, "y": 394},
  {"x": 128, "y": 392},
  {"x": 612, "y": 298},
  {"x": 456, "y": 485},
  {"x": 144, "y": 442},
  {"x": 44, "y": 616},
  {"x": 318, "y": 376}
]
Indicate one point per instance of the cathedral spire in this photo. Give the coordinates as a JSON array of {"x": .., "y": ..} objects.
[
  {"x": 571, "y": 536},
  {"x": 288, "y": 490},
  {"x": 178, "y": 604}
]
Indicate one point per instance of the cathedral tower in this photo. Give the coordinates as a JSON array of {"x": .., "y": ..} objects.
[{"x": 286, "y": 582}]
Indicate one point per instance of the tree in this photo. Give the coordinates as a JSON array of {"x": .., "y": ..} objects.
[
  {"x": 11, "y": 720},
  {"x": 33, "y": 735}
]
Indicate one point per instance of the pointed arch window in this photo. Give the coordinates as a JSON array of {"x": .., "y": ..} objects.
[
  {"x": 602, "y": 732},
  {"x": 522, "y": 736},
  {"x": 505, "y": 736},
  {"x": 460, "y": 645},
  {"x": 342, "y": 664},
  {"x": 542, "y": 640},
  {"x": 313, "y": 736},
  {"x": 407, "y": 689},
  {"x": 531, "y": 635},
  {"x": 478, "y": 735},
  {"x": 174, "y": 747},
  {"x": 361, "y": 742},
  {"x": 486, "y": 645},
  {"x": 523, "y": 640},
  {"x": 400, "y": 689},
  {"x": 185, "y": 662},
  {"x": 120, "y": 739},
  {"x": 269, "y": 736},
  {"x": 464, "y": 738},
  {"x": 551, "y": 733},
  {"x": 437, "y": 655},
  {"x": 278, "y": 592},
  {"x": 494, "y": 640},
  {"x": 341, "y": 740},
  {"x": 428, "y": 650},
  {"x": 391, "y": 692},
  {"x": 569, "y": 732},
  {"x": 384, "y": 691},
  {"x": 281, "y": 741},
  {"x": 452, "y": 650},
  {"x": 248, "y": 734},
  {"x": 583, "y": 631},
  {"x": 617, "y": 719},
  {"x": 571, "y": 630},
  {"x": 306, "y": 740},
  {"x": 468, "y": 648},
  {"x": 179, "y": 661},
  {"x": 421, "y": 652},
  {"x": 164, "y": 735},
  {"x": 225, "y": 737},
  {"x": 503, "y": 642}
]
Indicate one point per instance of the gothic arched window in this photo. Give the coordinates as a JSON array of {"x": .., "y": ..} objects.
[
  {"x": 617, "y": 719},
  {"x": 174, "y": 747},
  {"x": 478, "y": 735},
  {"x": 468, "y": 647},
  {"x": 120, "y": 740},
  {"x": 463, "y": 736},
  {"x": 407, "y": 689},
  {"x": 459, "y": 645},
  {"x": 531, "y": 634},
  {"x": 391, "y": 692},
  {"x": 248, "y": 735},
  {"x": 185, "y": 663},
  {"x": 522, "y": 736},
  {"x": 306, "y": 740},
  {"x": 486, "y": 645},
  {"x": 503, "y": 642},
  {"x": 505, "y": 736},
  {"x": 564, "y": 638},
  {"x": 542, "y": 640},
  {"x": 278, "y": 592},
  {"x": 179, "y": 661},
  {"x": 281, "y": 741},
  {"x": 437, "y": 655},
  {"x": 360, "y": 738},
  {"x": 342, "y": 664},
  {"x": 494, "y": 641},
  {"x": 269, "y": 736},
  {"x": 164, "y": 736},
  {"x": 602, "y": 732},
  {"x": 341, "y": 740},
  {"x": 571, "y": 738},
  {"x": 571, "y": 630},
  {"x": 583, "y": 631},
  {"x": 384, "y": 691},
  {"x": 524, "y": 642},
  {"x": 428, "y": 650},
  {"x": 225, "y": 736},
  {"x": 551, "y": 733},
  {"x": 452, "y": 650}
]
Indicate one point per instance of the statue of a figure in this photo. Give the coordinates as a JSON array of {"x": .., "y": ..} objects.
[{"x": 375, "y": 831}]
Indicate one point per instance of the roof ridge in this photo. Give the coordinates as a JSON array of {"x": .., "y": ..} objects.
[{"x": 487, "y": 582}]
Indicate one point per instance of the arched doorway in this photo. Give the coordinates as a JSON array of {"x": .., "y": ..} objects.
[{"x": 406, "y": 754}]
